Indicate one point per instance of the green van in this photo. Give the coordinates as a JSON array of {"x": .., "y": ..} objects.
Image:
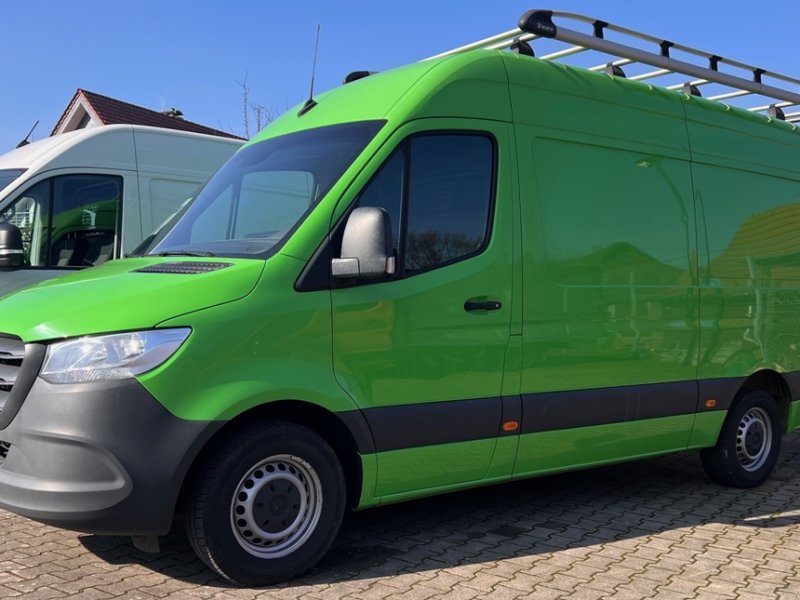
[{"x": 475, "y": 268}]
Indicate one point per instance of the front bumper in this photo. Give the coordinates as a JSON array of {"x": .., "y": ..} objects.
[{"x": 103, "y": 458}]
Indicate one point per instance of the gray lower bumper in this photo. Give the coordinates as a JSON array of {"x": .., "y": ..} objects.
[{"x": 101, "y": 457}]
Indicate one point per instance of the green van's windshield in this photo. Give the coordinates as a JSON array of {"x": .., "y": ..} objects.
[{"x": 264, "y": 192}]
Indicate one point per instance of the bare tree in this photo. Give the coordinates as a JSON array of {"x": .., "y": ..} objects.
[{"x": 263, "y": 115}]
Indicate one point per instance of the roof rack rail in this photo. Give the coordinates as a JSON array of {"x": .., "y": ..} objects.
[{"x": 536, "y": 24}]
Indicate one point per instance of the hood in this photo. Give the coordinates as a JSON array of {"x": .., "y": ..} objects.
[{"x": 125, "y": 295}]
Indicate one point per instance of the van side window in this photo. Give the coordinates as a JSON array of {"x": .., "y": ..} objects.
[
  {"x": 437, "y": 189},
  {"x": 69, "y": 220},
  {"x": 31, "y": 214},
  {"x": 386, "y": 191},
  {"x": 449, "y": 196}
]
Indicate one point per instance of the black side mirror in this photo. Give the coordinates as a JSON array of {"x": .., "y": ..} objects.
[
  {"x": 366, "y": 245},
  {"x": 11, "y": 251}
]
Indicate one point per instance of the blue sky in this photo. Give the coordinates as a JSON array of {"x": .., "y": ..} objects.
[{"x": 191, "y": 55}]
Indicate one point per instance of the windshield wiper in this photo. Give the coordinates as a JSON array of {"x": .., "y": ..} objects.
[{"x": 184, "y": 253}]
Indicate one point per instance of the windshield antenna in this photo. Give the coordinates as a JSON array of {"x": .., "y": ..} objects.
[
  {"x": 311, "y": 103},
  {"x": 25, "y": 142}
]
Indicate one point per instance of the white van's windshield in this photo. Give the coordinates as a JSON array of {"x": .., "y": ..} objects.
[
  {"x": 264, "y": 192},
  {"x": 9, "y": 175}
]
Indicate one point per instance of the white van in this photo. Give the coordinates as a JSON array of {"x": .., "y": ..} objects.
[{"x": 85, "y": 197}]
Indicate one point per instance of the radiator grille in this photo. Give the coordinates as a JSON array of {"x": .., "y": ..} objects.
[
  {"x": 12, "y": 353},
  {"x": 19, "y": 365}
]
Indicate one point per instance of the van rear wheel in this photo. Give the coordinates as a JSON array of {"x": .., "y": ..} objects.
[
  {"x": 267, "y": 505},
  {"x": 748, "y": 444}
]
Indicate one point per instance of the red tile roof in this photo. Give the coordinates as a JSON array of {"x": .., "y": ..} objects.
[{"x": 113, "y": 112}]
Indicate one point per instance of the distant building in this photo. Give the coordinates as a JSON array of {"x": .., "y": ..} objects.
[{"x": 88, "y": 109}]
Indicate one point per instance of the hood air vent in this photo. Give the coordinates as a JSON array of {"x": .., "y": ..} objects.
[{"x": 184, "y": 267}]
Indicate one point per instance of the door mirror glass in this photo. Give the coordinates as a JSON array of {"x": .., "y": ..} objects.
[{"x": 366, "y": 245}]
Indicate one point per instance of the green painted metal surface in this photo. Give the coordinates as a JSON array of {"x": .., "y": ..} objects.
[
  {"x": 275, "y": 345},
  {"x": 114, "y": 297},
  {"x": 793, "y": 420},
  {"x": 706, "y": 428},
  {"x": 552, "y": 451}
]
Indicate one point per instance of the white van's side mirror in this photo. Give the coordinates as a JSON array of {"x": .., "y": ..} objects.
[
  {"x": 11, "y": 250},
  {"x": 366, "y": 245}
]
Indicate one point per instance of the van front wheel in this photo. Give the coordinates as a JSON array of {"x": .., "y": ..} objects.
[
  {"x": 748, "y": 444},
  {"x": 267, "y": 505}
]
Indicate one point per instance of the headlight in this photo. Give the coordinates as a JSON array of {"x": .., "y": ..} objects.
[{"x": 107, "y": 357}]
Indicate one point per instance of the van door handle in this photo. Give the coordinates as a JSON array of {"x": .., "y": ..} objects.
[{"x": 472, "y": 305}]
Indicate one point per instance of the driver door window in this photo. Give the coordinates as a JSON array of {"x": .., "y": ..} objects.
[
  {"x": 31, "y": 214},
  {"x": 437, "y": 190}
]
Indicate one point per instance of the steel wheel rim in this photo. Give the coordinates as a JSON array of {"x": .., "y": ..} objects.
[
  {"x": 276, "y": 506},
  {"x": 753, "y": 439}
]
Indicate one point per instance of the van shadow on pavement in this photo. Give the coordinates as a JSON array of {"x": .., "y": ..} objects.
[{"x": 524, "y": 518}]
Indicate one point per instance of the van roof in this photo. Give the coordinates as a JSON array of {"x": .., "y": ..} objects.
[
  {"x": 424, "y": 89},
  {"x": 37, "y": 155},
  {"x": 474, "y": 84}
]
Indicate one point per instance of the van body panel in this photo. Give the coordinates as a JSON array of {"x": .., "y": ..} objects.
[
  {"x": 749, "y": 261},
  {"x": 461, "y": 86},
  {"x": 410, "y": 342},
  {"x": 707, "y": 425},
  {"x": 367, "y": 99},
  {"x": 793, "y": 418},
  {"x": 567, "y": 449},
  {"x": 109, "y": 147},
  {"x": 432, "y": 468},
  {"x": 609, "y": 255},
  {"x": 132, "y": 228},
  {"x": 29, "y": 277},
  {"x": 89, "y": 301},
  {"x": 464, "y": 87},
  {"x": 731, "y": 137},
  {"x": 564, "y": 99},
  {"x": 268, "y": 339}
]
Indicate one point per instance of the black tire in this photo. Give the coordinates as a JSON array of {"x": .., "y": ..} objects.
[
  {"x": 272, "y": 480},
  {"x": 748, "y": 444}
]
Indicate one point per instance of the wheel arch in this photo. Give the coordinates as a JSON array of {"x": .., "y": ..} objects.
[
  {"x": 775, "y": 385},
  {"x": 347, "y": 433}
]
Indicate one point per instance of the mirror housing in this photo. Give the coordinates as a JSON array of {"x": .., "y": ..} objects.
[
  {"x": 366, "y": 245},
  {"x": 11, "y": 251}
]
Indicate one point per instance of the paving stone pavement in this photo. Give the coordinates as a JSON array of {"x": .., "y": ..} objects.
[{"x": 651, "y": 529}]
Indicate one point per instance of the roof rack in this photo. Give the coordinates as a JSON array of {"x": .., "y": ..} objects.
[{"x": 536, "y": 24}]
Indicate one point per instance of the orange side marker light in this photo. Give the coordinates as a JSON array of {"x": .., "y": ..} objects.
[
  {"x": 711, "y": 403},
  {"x": 510, "y": 426}
]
